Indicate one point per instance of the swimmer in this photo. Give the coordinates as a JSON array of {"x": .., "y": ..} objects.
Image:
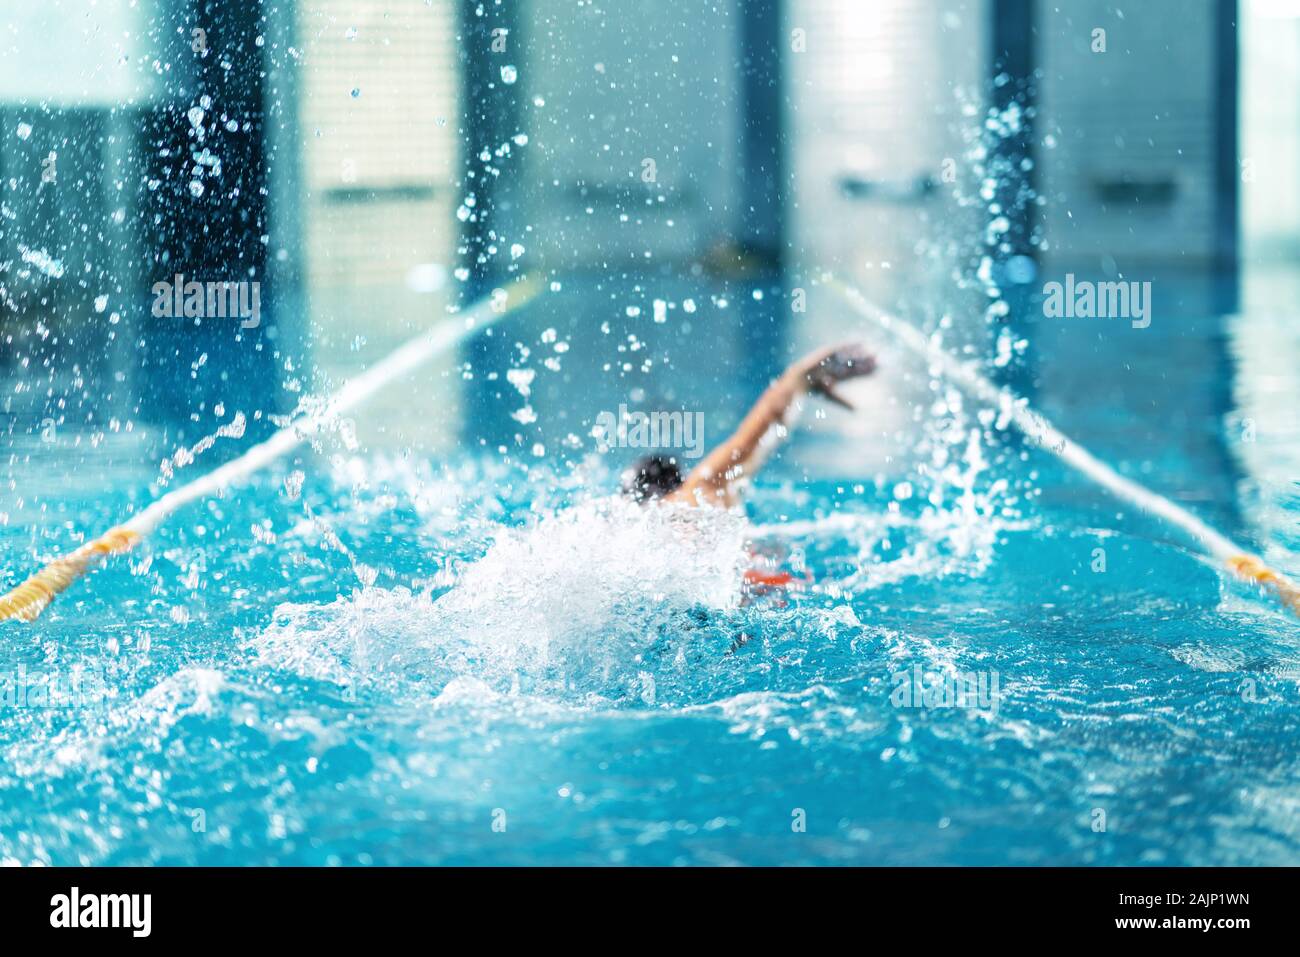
[{"x": 720, "y": 479}]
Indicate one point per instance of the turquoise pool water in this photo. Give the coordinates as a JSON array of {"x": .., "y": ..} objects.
[{"x": 386, "y": 658}]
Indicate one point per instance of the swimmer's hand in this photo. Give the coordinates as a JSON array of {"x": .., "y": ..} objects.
[
  {"x": 719, "y": 478},
  {"x": 823, "y": 370}
]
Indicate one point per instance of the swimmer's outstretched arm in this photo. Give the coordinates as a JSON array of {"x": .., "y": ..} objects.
[{"x": 718, "y": 479}]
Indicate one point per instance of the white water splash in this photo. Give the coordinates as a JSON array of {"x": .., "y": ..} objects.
[
  {"x": 572, "y": 600},
  {"x": 234, "y": 429}
]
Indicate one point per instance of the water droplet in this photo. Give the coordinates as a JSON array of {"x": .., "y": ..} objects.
[
  {"x": 24, "y": 130},
  {"x": 521, "y": 379},
  {"x": 293, "y": 484}
]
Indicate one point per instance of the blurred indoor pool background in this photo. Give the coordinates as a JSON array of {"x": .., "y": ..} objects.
[{"x": 434, "y": 634}]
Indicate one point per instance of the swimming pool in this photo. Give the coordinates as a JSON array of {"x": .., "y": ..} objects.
[{"x": 385, "y": 657}]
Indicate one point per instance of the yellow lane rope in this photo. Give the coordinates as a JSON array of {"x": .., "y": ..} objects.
[
  {"x": 1227, "y": 553},
  {"x": 28, "y": 600}
]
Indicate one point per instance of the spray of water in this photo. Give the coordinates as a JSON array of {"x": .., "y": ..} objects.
[{"x": 576, "y": 597}]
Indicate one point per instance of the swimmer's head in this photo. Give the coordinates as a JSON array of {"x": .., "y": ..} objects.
[{"x": 651, "y": 477}]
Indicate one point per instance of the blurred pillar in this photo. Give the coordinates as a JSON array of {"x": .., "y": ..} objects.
[
  {"x": 1227, "y": 159},
  {"x": 763, "y": 173},
  {"x": 490, "y": 48},
  {"x": 1014, "y": 165},
  {"x": 764, "y": 183},
  {"x": 204, "y": 216}
]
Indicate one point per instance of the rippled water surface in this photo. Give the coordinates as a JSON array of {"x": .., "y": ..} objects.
[
  {"x": 368, "y": 658},
  {"x": 591, "y": 685}
]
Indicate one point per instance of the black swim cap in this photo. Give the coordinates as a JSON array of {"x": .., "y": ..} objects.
[{"x": 652, "y": 477}]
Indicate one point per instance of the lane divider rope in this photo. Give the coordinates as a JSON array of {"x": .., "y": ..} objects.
[
  {"x": 1236, "y": 559},
  {"x": 33, "y": 596}
]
